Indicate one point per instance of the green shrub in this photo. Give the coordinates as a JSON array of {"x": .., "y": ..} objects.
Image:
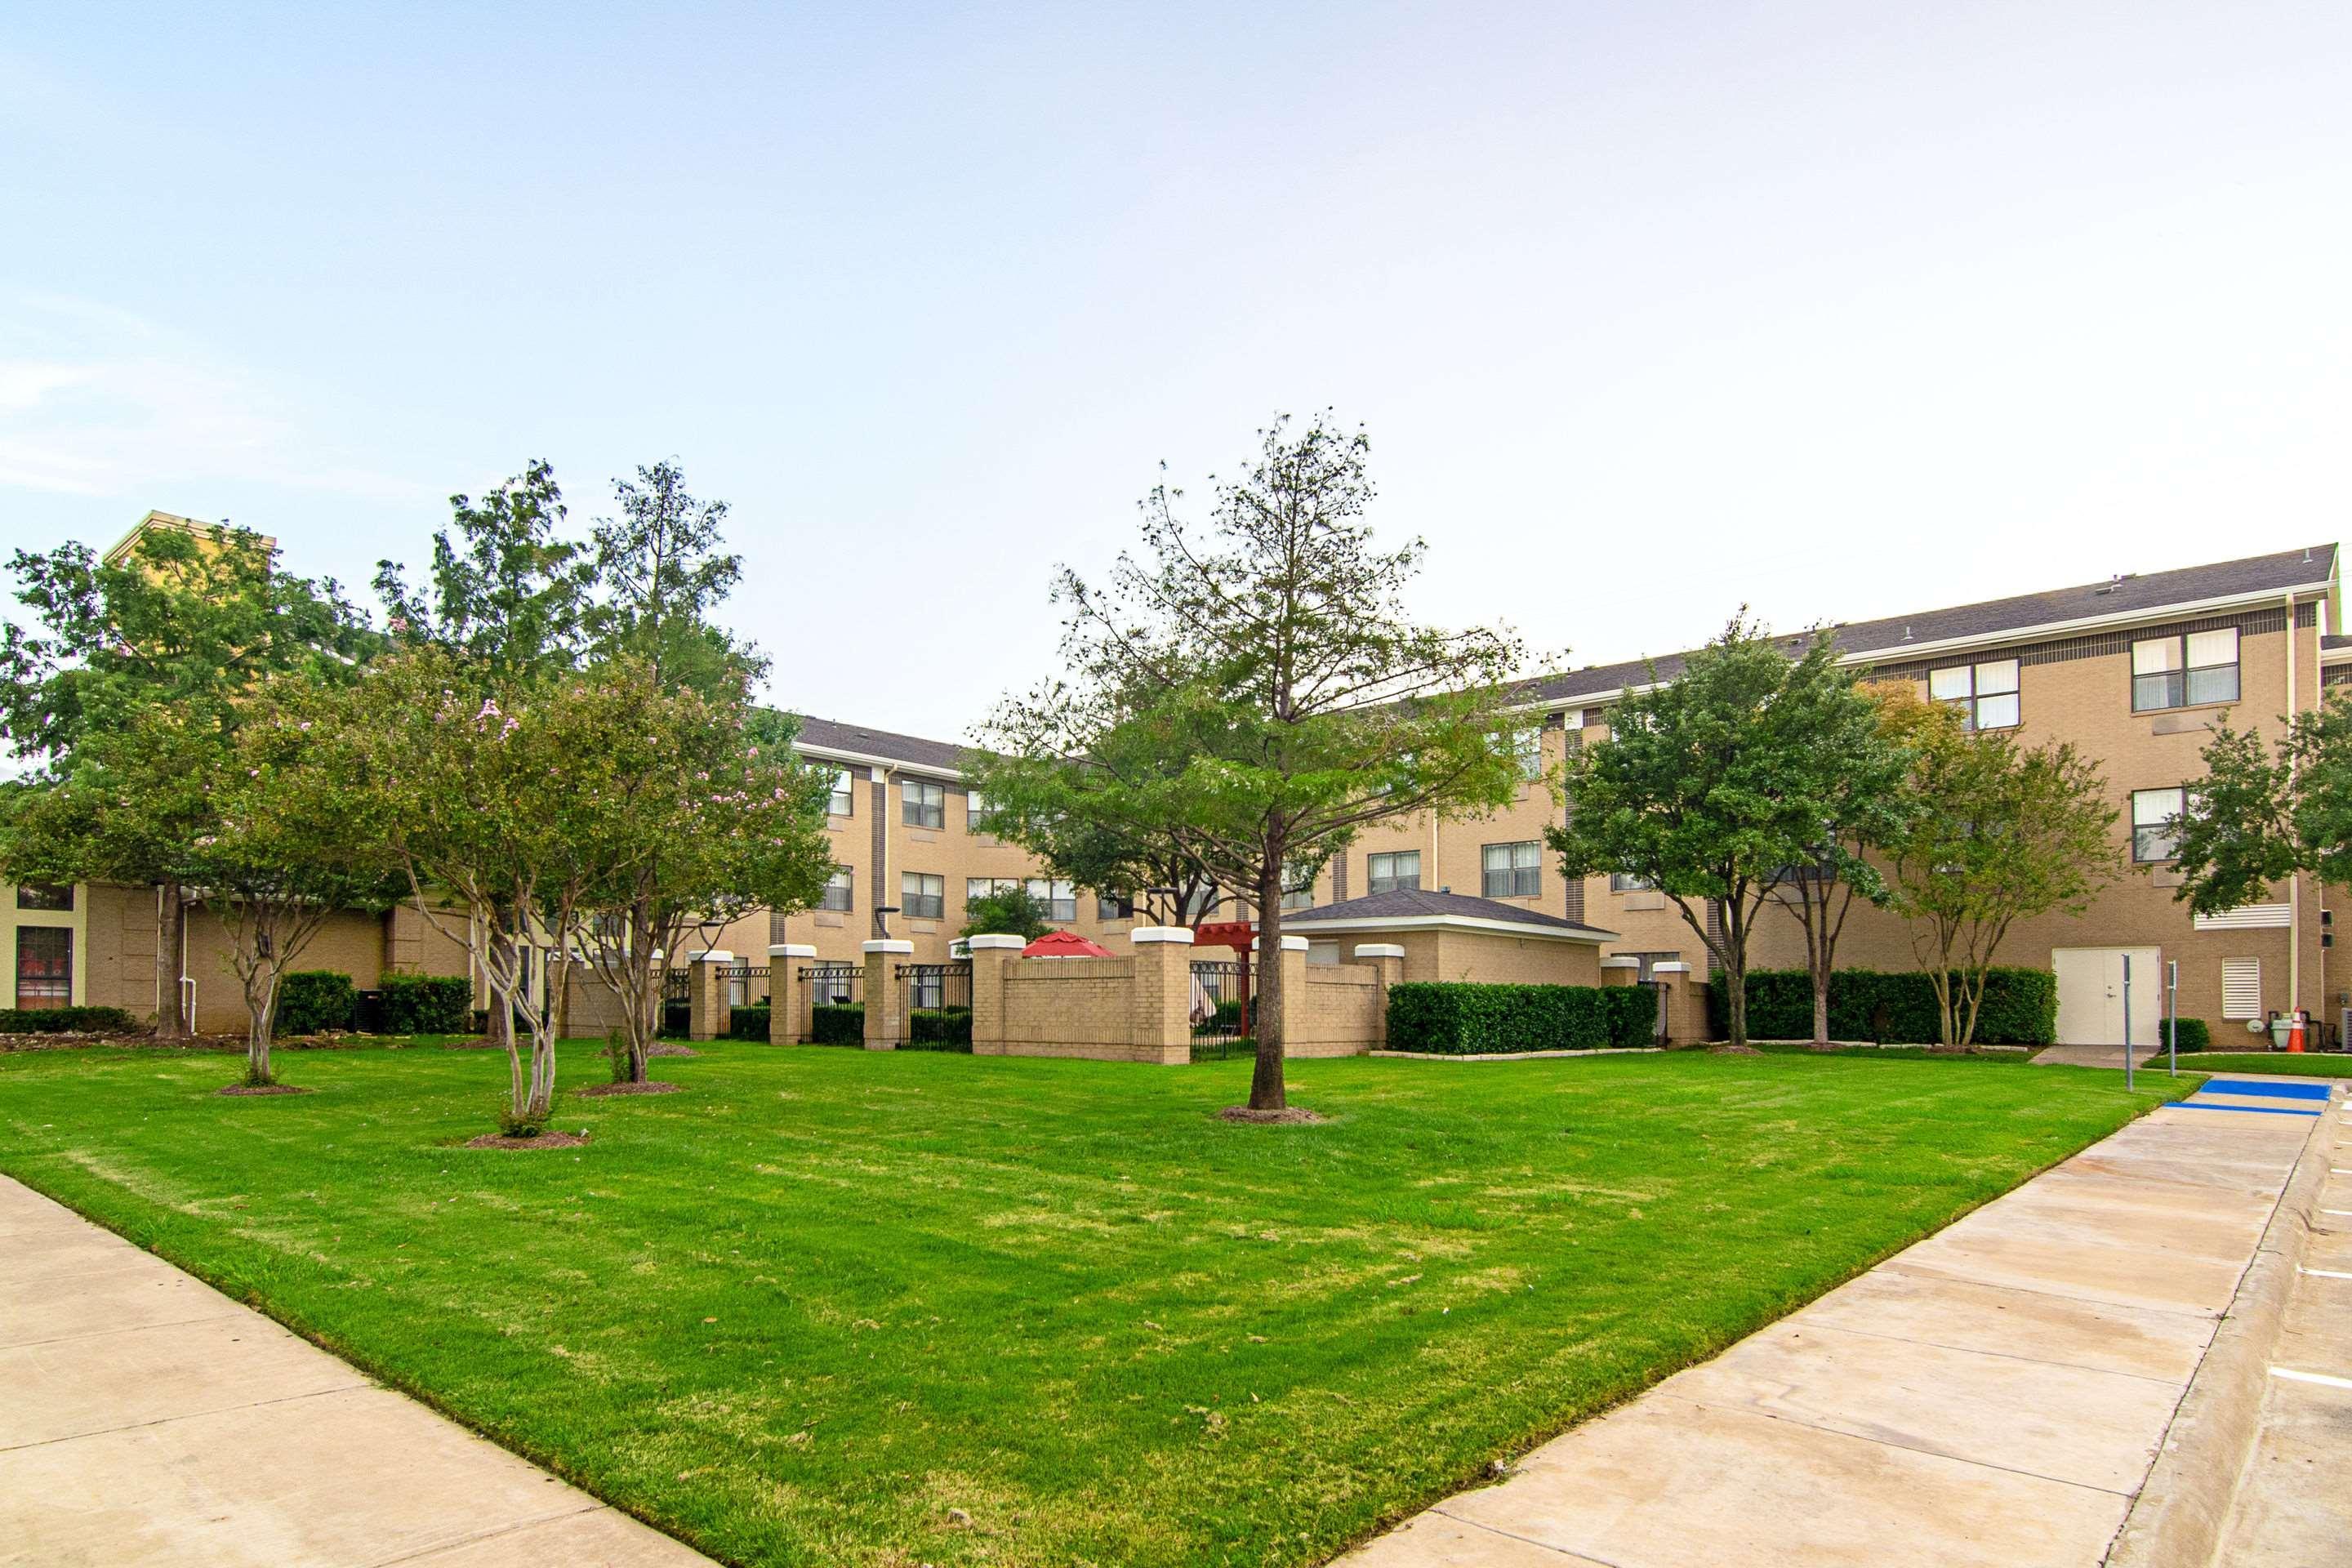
[
  {"x": 677, "y": 1021},
  {"x": 937, "y": 1028},
  {"x": 2195, "y": 1034},
  {"x": 313, "y": 1001},
  {"x": 1631, "y": 1015},
  {"x": 428, "y": 1004},
  {"x": 1226, "y": 1020},
  {"x": 66, "y": 1021},
  {"x": 837, "y": 1024},
  {"x": 748, "y": 1023},
  {"x": 1463, "y": 1019},
  {"x": 2020, "y": 1006}
]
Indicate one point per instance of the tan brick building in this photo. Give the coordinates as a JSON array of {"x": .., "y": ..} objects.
[{"x": 2134, "y": 670}]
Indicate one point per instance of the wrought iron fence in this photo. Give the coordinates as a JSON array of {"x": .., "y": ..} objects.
[
  {"x": 1220, "y": 1007},
  {"x": 674, "y": 985},
  {"x": 833, "y": 985},
  {"x": 939, "y": 1005},
  {"x": 746, "y": 983}
]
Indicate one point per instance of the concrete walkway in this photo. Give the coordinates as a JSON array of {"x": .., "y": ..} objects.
[
  {"x": 145, "y": 1418},
  {"x": 1993, "y": 1395}
]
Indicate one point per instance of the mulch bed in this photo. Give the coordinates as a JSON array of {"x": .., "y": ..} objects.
[
  {"x": 664, "y": 1049},
  {"x": 544, "y": 1140},
  {"x": 1733, "y": 1051},
  {"x": 1292, "y": 1116},
  {"x": 606, "y": 1091},
  {"x": 245, "y": 1089}
]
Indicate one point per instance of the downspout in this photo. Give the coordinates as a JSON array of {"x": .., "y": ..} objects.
[{"x": 2294, "y": 880}]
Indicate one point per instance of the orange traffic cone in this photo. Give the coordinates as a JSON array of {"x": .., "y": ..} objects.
[{"x": 2294, "y": 1035}]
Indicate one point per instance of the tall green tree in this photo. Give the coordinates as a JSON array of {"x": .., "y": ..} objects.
[
  {"x": 1006, "y": 911},
  {"x": 2264, "y": 812},
  {"x": 1719, "y": 785},
  {"x": 662, "y": 573},
  {"x": 507, "y": 590},
  {"x": 2004, "y": 832},
  {"x": 1253, "y": 694},
  {"x": 188, "y": 622}
]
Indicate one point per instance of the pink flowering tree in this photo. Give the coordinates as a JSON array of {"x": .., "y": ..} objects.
[{"x": 714, "y": 818}]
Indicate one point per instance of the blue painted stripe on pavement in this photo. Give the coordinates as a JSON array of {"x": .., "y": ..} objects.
[
  {"x": 2249, "y": 1110},
  {"x": 2273, "y": 1088}
]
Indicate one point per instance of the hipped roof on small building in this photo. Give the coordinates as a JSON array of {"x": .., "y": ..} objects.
[{"x": 1416, "y": 908}]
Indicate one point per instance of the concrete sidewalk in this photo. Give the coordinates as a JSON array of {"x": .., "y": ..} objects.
[
  {"x": 1993, "y": 1395},
  {"x": 146, "y": 1418}
]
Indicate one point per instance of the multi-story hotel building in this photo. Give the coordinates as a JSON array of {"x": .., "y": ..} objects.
[{"x": 2135, "y": 670}]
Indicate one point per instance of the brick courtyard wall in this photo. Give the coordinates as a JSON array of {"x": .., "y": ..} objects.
[
  {"x": 1132, "y": 1008},
  {"x": 787, "y": 1018}
]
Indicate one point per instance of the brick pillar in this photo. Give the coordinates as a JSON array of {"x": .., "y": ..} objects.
[
  {"x": 1161, "y": 1027},
  {"x": 1387, "y": 959},
  {"x": 787, "y": 1010},
  {"x": 1683, "y": 997},
  {"x": 886, "y": 995},
  {"x": 1620, "y": 969},
  {"x": 991, "y": 954},
  {"x": 1293, "y": 960},
  {"x": 706, "y": 995}
]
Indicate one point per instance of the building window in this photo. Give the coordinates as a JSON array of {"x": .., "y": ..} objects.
[
  {"x": 976, "y": 815},
  {"x": 2241, "y": 988},
  {"x": 44, "y": 966},
  {"x": 1527, "y": 750},
  {"x": 1626, "y": 882},
  {"x": 922, "y": 898},
  {"x": 1511, "y": 870},
  {"x": 2185, "y": 671},
  {"x": 44, "y": 895},
  {"x": 838, "y": 890},
  {"x": 1060, "y": 898},
  {"x": 976, "y": 888},
  {"x": 1297, "y": 886},
  {"x": 2156, "y": 823},
  {"x": 845, "y": 795},
  {"x": 1985, "y": 694},
  {"x": 1114, "y": 907},
  {"x": 1392, "y": 873},
  {"x": 922, "y": 803}
]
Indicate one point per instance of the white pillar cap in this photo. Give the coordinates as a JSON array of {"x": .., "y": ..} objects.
[
  {"x": 891, "y": 946},
  {"x": 791, "y": 950},
  {"x": 995, "y": 941},
  {"x": 715, "y": 955},
  {"x": 1289, "y": 943},
  {"x": 1379, "y": 950},
  {"x": 1142, "y": 934},
  {"x": 1670, "y": 969},
  {"x": 1621, "y": 961}
]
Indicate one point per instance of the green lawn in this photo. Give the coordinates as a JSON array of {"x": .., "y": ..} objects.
[
  {"x": 2308, "y": 1064},
  {"x": 798, "y": 1312}
]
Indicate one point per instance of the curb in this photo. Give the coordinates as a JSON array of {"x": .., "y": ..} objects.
[{"x": 2177, "y": 1520}]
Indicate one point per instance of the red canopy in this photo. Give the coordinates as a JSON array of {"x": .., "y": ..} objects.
[
  {"x": 1063, "y": 945},
  {"x": 1235, "y": 934}
]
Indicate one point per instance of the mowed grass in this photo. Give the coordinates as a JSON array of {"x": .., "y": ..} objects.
[
  {"x": 2283, "y": 1064},
  {"x": 800, "y": 1311}
]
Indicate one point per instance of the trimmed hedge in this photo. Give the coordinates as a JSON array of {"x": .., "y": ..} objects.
[
  {"x": 428, "y": 1004},
  {"x": 2020, "y": 1006},
  {"x": 2196, "y": 1035},
  {"x": 748, "y": 1023},
  {"x": 1457, "y": 1018},
  {"x": 1226, "y": 1020},
  {"x": 837, "y": 1024},
  {"x": 937, "y": 1028},
  {"x": 313, "y": 1001},
  {"x": 66, "y": 1021}
]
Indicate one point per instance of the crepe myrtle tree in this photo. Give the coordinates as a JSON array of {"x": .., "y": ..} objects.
[
  {"x": 1250, "y": 695},
  {"x": 1713, "y": 785},
  {"x": 189, "y": 621},
  {"x": 497, "y": 810},
  {"x": 709, "y": 816},
  {"x": 286, "y": 854},
  {"x": 2002, "y": 832}
]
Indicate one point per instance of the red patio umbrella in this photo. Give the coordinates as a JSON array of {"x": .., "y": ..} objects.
[{"x": 1065, "y": 944}]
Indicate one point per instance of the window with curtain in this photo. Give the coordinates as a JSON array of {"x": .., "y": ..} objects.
[
  {"x": 922, "y": 897},
  {"x": 2185, "y": 670},
  {"x": 844, "y": 794},
  {"x": 1397, "y": 871},
  {"x": 922, "y": 803},
  {"x": 1060, "y": 898},
  {"x": 2156, "y": 822},
  {"x": 837, "y": 890},
  {"x": 1985, "y": 694},
  {"x": 1511, "y": 870}
]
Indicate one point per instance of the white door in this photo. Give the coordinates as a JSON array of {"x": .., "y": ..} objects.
[{"x": 2091, "y": 995}]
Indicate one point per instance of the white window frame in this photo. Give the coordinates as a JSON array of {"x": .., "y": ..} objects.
[
  {"x": 1059, "y": 897},
  {"x": 844, "y": 884},
  {"x": 1984, "y": 703},
  {"x": 844, "y": 802},
  {"x": 2163, "y": 830},
  {"x": 1396, "y": 879},
  {"x": 2182, "y": 646},
  {"x": 929, "y": 888},
  {"x": 922, "y": 803},
  {"x": 1521, "y": 869}
]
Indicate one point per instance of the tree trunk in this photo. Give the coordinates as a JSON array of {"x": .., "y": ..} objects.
[
  {"x": 1735, "y": 990},
  {"x": 645, "y": 1023},
  {"x": 1821, "y": 1005},
  {"x": 261, "y": 1010},
  {"x": 1267, "y": 1092},
  {"x": 500, "y": 1023},
  {"x": 172, "y": 1022}
]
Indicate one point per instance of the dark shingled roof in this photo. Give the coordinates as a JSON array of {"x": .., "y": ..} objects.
[
  {"x": 827, "y": 735},
  {"x": 1417, "y": 903},
  {"x": 2147, "y": 593},
  {"x": 2333, "y": 640}
]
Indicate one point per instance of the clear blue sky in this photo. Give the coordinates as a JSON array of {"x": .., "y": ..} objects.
[{"x": 1841, "y": 310}]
